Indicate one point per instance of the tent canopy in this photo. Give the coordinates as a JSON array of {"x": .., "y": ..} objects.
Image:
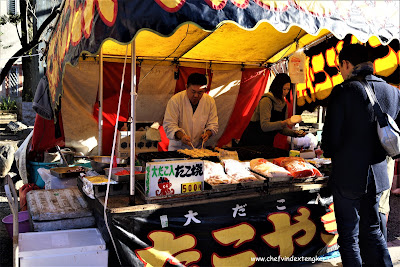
[
  {"x": 229, "y": 44},
  {"x": 248, "y": 32}
]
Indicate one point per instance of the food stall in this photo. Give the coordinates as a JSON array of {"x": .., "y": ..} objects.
[
  {"x": 197, "y": 218},
  {"x": 229, "y": 213}
]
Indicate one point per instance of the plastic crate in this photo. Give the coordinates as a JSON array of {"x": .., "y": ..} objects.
[{"x": 34, "y": 176}]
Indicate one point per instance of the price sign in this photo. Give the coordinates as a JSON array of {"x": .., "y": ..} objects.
[
  {"x": 166, "y": 178},
  {"x": 190, "y": 187}
]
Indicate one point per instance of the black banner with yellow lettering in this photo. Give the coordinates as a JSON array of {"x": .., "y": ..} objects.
[
  {"x": 322, "y": 72},
  {"x": 285, "y": 229}
]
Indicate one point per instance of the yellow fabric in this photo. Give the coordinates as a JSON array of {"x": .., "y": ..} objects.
[
  {"x": 227, "y": 44},
  {"x": 171, "y": 3}
]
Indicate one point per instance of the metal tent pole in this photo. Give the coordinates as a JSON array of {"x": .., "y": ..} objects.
[
  {"x": 133, "y": 123},
  {"x": 294, "y": 93},
  {"x": 100, "y": 115}
]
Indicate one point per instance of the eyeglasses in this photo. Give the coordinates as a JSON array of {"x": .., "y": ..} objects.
[{"x": 338, "y": 68}]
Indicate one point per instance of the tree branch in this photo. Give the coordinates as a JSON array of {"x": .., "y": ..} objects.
[
  {"x": 19, "y": 35},
  {"x": 30, "y": 45}
]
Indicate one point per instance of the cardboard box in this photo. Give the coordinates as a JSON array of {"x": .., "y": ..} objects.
[{"x": 173, "y": 177}]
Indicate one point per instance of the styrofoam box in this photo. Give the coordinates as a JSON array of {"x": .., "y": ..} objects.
[
  {"x": 76, "y": 247},
  {"x": 123, "y": 146}
]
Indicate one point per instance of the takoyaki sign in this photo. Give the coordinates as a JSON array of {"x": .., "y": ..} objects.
[{"x": 174, "y": 177}]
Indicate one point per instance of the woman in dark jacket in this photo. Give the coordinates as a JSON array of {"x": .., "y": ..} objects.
[{"x": 270, "y": 116}]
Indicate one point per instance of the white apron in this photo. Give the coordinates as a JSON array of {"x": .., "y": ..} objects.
[{"x": 179, "y": 116}]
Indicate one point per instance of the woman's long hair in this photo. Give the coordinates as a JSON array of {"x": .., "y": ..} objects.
[{"x": 277, "y": 84}]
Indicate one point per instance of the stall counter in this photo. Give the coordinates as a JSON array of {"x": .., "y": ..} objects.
[{"x": 292, "y": 223}]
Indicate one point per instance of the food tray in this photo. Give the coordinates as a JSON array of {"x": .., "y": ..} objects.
[
  {"x": 118, "y": 178},
  {"x": 220, "y": 187},
  {"x": 259, "y": 183},
  {"x": 270, "y": 180},
  {"x": 67, "y": 172},
  {"x": 101, "y": 190}
]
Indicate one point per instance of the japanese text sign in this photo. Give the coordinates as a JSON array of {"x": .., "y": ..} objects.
[{"x": 174, "y": 177}]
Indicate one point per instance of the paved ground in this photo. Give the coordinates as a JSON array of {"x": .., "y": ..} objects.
[
  {"x": 5, "y": 241},
  {"x": 393, "y": 237},
  {"x": 15, "y": 139}
]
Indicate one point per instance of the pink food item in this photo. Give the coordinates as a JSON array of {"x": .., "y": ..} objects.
[{"x": 298, "y": 167}]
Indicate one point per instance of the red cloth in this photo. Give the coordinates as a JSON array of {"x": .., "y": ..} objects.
[
  {"x": 111, "y": 87},
  {"x": 163, "y": 145},
  {"x": 184, "y": 73},
  {"x": 44, "y": 134},
  {"x": 252, "y": 87},
  {"x": 22, "y": 194}
]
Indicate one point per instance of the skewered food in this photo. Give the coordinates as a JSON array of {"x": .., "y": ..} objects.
[{"x": 198, "y": 153}]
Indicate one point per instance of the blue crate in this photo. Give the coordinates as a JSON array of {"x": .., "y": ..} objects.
[{"x": 33, "y": 166}]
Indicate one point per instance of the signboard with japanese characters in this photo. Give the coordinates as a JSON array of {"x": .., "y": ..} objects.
[
  {"x": 292, "y": 228},
  {"x": 174, "y": 177}
]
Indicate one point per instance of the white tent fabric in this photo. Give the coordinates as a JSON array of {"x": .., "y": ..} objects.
[
  {"x": 80, "y": 90},
  {"x": 160, "y": 86},
  {"x": 80, "y": 86},
  {"x": 225, "y": 87}
]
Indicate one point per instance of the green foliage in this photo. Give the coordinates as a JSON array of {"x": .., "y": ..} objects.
[
  {"x": 3, "y": 20},
  {"x": 27, "y": 96},
  {"x": 7, "y": 104},
  {"x": 14, "y": 19}
]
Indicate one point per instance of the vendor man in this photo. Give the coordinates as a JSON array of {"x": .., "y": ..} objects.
[{"x": 191, "y": 115}]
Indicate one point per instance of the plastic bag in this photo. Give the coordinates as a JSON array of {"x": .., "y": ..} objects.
[
  {"x": 152, "y": 133},
  {"x": 46, "y": 177},
  {"x": 214, "y": 174},
  {"x": 87, "y": 188},
  {"x": 53, "y": 182},
  {"x": 297, "y": 167},
  {"x": 226, "y": 154},
  {"x": 268, "y": 169},
  {"x": 238, "y": 170}
]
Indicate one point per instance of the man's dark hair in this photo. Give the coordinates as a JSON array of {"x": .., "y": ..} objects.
[
  {"x": 277, "y": 85},
  {"x": 354, "y": 53},
  {"x": 196, "y": 79}
]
